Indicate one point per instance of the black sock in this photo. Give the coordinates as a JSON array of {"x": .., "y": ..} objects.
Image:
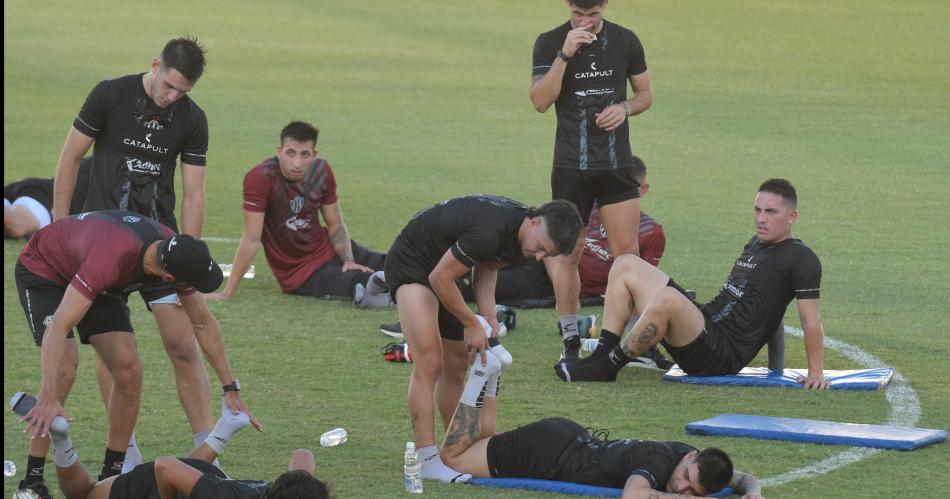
[
  {"x": 618, "y": 358},
  {"x": 608, "y": 340},
  {"x": 671, "y": 283},
  {"x": 34, "y": 469},
  {"x": 112, "y": 463}
]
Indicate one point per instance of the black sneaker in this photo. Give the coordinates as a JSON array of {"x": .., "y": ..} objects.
[
  {"x": 571, "y": 348},
  {"x": 601, "y": 369},
  {"x": 36, "y": 490},
  {"x": 652, "y": 359},
  {"x": 394, "y": 330}
]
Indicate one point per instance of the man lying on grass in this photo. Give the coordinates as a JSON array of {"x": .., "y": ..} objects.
[{"x": 560, "y": 449}]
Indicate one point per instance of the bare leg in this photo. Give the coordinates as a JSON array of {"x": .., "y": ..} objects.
[
  {"x": 118, "y": 353},
  {"x": 449, "y": 387},
  {"x": 622, "y": 224},
  {"x": 465, "y": 448},
  {"x": 191, "y": 378},
  {"x": 567, "y": 282},
  {"x": 418, "y": 314},
  {"x": 631, "y": 285}
]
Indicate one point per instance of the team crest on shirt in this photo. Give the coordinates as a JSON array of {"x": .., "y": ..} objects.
[{"x": 296, "y": 204}]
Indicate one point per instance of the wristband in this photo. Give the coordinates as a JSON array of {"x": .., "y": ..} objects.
[
  {"x": 232, "y": 387},
  {"x": 626, "y": 110}
]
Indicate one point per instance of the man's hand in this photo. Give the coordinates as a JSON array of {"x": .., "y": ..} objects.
[
  {"x": 41, "y": 416},
  {"x": 611, "y": 117},
  {"x": 476, "y": 342},
  {"x": 493, "y": 322},
  {"x": 577, "y": 37},
  {"x": 355, "y": 267},
  {"x": 816, "y": 381},
  {"x": 233, "y": 401}
]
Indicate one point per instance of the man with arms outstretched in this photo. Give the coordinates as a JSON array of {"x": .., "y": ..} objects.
[{"x": 724, "y": 335}]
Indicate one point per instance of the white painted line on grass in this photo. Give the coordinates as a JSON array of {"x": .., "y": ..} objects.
[
  {"x": 905, "y": 411},
  {"x": 221, "y": 240}
]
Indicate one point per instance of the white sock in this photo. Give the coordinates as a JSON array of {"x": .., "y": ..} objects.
[
  {"x": 133, "y": 456},
  {"x": 477, "y": 376},
  {"x": 434, "y": 469},
  {"x": 494, "y": 344},
  {"x": 226, "y": 427},
  {"x": 377, "y": 283},
  {"x": 492, "y": 386},
  {"x": 64, "y": 455}
]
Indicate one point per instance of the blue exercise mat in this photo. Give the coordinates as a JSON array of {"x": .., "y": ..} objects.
[
  {"x": 817, "y": 432},
  {"x": 561, "y": 487},
  {"x": 857, "y": 379}
]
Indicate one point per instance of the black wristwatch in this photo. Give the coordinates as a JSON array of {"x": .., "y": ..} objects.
[
  {"x": 235, "y": 386},
  {"x": 561, "y": 55}
]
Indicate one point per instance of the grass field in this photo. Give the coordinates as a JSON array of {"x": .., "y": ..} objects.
[{"x": 419, "y": 101}]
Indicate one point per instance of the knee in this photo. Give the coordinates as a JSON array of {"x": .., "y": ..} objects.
[
  {"x": 181, "y": 348},
  {"x": 666, "y": 300},
  {"x": 128, "y": 375},
  {"x": 624, "y": 264},
  {"x": 427, "y": 366}
]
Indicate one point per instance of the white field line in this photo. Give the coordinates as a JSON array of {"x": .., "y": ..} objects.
[
  {"x": 905, "y": 411},
  {"x": 221, "y": 240}
]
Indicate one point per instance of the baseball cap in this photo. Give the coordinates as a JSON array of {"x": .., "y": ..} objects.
[{"x": 189, "y": 261}]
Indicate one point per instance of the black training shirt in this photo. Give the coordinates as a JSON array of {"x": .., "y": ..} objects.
[
  {"x": 596, "y": 77},
  {"x": 137, "y": 145},
  {"x": 610, "y": 463},
  {"x": 763, "y": 281},
  {"x": 477, "y": 229}
]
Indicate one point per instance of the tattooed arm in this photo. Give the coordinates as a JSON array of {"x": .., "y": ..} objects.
[{"x": 340, "y": 237}]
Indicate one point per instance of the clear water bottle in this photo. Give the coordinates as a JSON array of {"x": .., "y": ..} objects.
[
  {"x": 9, "y": 468},
  {"x": 333, "y": 437},
  {"x": 589, "y": 344},
  {"x": 413, "y": 470}
]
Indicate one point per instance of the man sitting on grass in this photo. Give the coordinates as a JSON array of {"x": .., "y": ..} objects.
[
  {"x": 560, "y": 449},
  {"x": 724, "y": 335},
  {"x": 193, "y": 476}
]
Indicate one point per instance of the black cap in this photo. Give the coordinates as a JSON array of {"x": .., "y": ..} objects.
[{"x": 189, "y": 261}]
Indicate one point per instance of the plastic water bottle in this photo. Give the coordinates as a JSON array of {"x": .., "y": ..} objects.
[
  {"x": 589, "y": 344},
  {"x": 413, "y": 470},
  {"x": 333, "y": 437},
  {"x": 9, "y": 468}
]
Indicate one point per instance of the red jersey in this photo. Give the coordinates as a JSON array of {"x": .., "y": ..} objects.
[
  {"x": 295, "y": 243},
  {"x": 597, "y": 259},
  {"x": 96, "y": 252}
]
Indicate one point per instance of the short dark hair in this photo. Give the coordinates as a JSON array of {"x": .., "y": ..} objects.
[
  {"x": 186, "y": 55},
  {"x": 586, "y": 4},
  {"x": 564, "y": 223},
  {"x": 639, "y": 170},
  {"x": 715, "y": 469},
  {"x": 781, "y": 187},
  {"x": 299, "y": 131},
  {"x": 298, "y": 484}
]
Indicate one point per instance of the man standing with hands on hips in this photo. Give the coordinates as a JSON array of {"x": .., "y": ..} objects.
[{"x": 582, "y": 67}]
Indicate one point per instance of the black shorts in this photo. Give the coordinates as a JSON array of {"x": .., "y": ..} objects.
[
  {"x": 401, "y": 269},
  {"x": 584, "y": 187},
  {"x": 40, "y": 298},
  {"x": 140, "y": 482},
  {"x": 707, "y": 355},
  {"x": 152, "y": 292},
  {"x": 535, "y": 450},
  {"x": 329, "y": 281}
]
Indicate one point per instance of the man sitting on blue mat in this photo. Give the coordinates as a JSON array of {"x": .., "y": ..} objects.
[
  {"x": 560, "y": 449},
  {"x": 724, "y": 335}
]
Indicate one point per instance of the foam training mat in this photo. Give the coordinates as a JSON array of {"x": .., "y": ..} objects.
[
  {"x": 562, "y": 487},
  {"x": 856, "y": 379},
  {"x": 817, "y": 432}
]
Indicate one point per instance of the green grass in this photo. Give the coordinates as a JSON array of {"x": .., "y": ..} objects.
[{"x": 421, "y": 101}]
